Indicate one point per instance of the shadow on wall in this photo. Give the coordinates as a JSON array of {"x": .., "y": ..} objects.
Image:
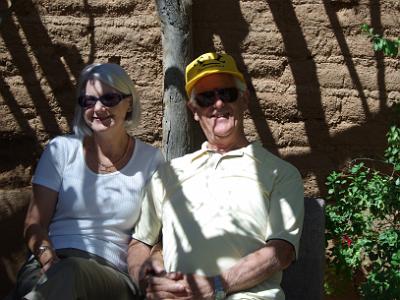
[
  {"x": 48, "y": 56},
  {"x": 55, "y": 60},
  {"x": 326, "y": 152}
]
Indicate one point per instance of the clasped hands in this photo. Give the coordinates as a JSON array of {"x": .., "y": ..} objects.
[{"x": 156, "y": 283}]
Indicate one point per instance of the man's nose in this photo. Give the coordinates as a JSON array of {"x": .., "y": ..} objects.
[{"x": 218, "y": 102}]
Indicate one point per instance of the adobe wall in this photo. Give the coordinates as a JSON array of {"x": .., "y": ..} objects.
[{"x": 320, "y": 95}]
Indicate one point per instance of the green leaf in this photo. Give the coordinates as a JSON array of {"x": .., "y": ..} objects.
[{"x": 365, "y": 27}]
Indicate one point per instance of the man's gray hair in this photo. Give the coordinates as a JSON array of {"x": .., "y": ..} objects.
[
  {"x": 239, "y": 84},
  {"x": 116, "y": 77}
]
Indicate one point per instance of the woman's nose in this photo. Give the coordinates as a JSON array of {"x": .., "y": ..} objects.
[{"x": 98, "y": 106}]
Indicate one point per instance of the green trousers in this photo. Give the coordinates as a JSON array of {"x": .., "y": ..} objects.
[{"x": 78, "y": 275}]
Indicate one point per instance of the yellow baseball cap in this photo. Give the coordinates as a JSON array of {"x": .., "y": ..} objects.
[{"x": 210, "y": 63}]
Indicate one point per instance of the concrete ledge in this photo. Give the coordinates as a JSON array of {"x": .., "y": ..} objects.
[
  {"x": 13, "y": 205},
  {"x": 304, "y": 279}
]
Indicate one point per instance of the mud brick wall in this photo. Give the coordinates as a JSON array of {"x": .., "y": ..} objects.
[{"x": 319, "y": 95}]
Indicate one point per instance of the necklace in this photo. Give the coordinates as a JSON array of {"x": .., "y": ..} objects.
[{"x": 112, "y": 166}]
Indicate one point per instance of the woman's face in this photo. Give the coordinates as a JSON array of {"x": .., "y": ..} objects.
[{"x": 101, "y": 118}]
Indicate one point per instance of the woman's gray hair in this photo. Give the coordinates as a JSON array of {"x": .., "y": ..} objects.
[
  {"x": 239, "y": 84},
  {"x": 116, "y": 77}
]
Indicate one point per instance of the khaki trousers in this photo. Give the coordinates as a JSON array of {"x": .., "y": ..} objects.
[{"x": 78, "y": 275}]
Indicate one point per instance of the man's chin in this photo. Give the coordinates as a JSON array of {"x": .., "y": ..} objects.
[
  {"x": 223, "y": 134},
  {"x": 223, "y": 131}
]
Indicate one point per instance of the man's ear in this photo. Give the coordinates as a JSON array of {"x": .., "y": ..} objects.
[
  {"x": 193, "y": 109},
  {"x": 246, "y": 99}
]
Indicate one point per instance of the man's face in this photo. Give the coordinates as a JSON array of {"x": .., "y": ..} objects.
[{"x": 222, "y": 122}]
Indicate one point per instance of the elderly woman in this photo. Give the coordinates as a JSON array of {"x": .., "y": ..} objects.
[{"x": 87, "y": 193}]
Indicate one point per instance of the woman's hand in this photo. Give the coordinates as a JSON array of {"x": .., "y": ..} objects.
[
  {"x": 46, "y": 266},
  {"x": 46, "y": 257}
]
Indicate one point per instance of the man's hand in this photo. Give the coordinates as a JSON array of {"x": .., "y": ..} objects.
[
  {"x": 151, "y": 267},
  {"x": 198, "y": 287},
  {"x": 180, "y": 286},
  {"x": 166, "y": 286}
]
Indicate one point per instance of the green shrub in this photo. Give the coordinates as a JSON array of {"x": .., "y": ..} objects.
[{"x": 363, "y": 224}]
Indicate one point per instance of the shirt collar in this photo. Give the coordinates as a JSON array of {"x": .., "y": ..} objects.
[{"x": 202, "y": 153}]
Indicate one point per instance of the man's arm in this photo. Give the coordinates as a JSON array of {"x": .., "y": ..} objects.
[
  {"x": 276, "y": 255},
  {"x": 138, "y": 254},
  {"x": 249, "y": 271},
  {"x": 258, "y": 266}
]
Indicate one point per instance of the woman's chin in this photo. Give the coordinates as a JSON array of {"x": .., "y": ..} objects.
[{"x": 98, "y": 125}]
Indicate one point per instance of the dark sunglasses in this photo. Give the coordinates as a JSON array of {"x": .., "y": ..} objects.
[
  {"x": 109, "y": 100},
  {"x": 207, "y": 99}
]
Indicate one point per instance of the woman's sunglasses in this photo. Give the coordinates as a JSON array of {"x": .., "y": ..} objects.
[
  {"x": 109, "y": 100},
  {"x": 207, "y": 99}
]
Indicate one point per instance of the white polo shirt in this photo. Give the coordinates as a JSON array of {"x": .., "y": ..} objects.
[{"x": 215, "y": 209}]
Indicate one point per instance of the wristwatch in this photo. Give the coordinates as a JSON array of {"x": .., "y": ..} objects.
[{"x": 219, "y": 292}]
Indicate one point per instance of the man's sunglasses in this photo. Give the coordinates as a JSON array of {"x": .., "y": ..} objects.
[
  {"x": 109, "y": 100},
  {"x": 207, "y": 99}
]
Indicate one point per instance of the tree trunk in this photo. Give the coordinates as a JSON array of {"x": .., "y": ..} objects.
[{"x": 176, "y": 23}]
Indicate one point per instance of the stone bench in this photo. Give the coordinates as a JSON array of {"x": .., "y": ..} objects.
[
  {"x": 304, "y": 279},
  {"x": 13, "y": 205}
]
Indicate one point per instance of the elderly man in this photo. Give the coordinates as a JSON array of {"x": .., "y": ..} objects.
[{"x": 230, "y": 214}]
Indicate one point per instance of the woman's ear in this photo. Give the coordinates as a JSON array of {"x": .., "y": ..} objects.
[
  {"x": 129, "y": 107},
  {"x": 128, "y": 114}
]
